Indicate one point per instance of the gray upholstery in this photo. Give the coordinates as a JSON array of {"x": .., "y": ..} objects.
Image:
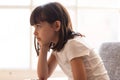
[{"x": 110, "y": 53}]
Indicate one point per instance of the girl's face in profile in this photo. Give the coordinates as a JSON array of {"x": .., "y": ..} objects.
[{"x": 46, "y": 33}]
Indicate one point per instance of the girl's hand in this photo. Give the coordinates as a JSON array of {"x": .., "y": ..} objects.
[{"x": 44, "y": 47}]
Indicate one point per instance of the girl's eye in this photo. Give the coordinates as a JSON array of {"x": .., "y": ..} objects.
[{"x": 37, "y": 25}]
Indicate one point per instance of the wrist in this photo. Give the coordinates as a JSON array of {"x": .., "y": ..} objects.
[{"x": 43, "y": 50}]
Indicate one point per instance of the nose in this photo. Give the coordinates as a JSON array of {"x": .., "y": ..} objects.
[{"x": 35, "y": 32}]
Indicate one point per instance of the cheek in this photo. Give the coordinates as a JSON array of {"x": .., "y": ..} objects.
[
  {"x": 50, "y": 35},
  {"x": 46, "y": 35}
]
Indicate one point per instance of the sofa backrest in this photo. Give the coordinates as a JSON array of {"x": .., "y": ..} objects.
[{"x": 110, "y": 54}]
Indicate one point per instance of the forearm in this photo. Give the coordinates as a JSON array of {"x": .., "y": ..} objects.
[{"x": 42, "y": 68}]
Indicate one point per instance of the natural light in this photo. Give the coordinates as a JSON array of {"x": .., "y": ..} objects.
[{"x": 99, "y": 21}]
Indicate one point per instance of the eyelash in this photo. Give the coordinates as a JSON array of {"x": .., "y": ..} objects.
[{"x": 38, "y": 26}]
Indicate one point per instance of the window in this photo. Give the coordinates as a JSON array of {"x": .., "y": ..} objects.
[
  {"x": 15, "y": 2},
  {"x": 99, "y": 21},
  {"x": 99, "y": 25},
  {"x": 15, "y": 35}
]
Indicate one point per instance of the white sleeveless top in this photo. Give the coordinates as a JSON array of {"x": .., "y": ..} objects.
[{"x": 77, "y": 47}]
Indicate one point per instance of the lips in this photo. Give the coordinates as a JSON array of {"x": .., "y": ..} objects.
[{"x": 38, "y": 39}]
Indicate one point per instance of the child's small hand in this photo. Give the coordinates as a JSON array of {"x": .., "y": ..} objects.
[{"x": 44, "y": 47}]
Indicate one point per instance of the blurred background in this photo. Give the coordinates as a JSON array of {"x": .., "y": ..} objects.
[{"x": 98, "y": 20}]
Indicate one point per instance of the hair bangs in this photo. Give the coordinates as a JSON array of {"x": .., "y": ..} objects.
[{"x": 37, "y": 16}]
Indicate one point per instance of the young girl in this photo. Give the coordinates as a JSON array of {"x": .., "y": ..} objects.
[{"x": 53, "y": 30}]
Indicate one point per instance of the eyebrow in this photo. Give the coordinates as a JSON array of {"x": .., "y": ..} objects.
[{"x": 36, "y": 24}]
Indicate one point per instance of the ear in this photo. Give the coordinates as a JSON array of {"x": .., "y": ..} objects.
[{"x": 57, "y": 25}]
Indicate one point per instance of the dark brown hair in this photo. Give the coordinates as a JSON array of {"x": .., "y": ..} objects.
[{"x": 52, "y": 12}]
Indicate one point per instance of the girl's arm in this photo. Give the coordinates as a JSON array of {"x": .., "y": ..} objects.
[
  {"x": 78, "y": 69},
  {"x": 45, "y": 68}
]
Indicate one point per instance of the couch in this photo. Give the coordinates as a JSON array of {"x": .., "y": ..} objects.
[{"x": 110, "y": 54}]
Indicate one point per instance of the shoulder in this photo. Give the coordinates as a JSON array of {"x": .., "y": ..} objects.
[
  {"x": 76, "y": 47},
  {"x": 77, "y": 42}
]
